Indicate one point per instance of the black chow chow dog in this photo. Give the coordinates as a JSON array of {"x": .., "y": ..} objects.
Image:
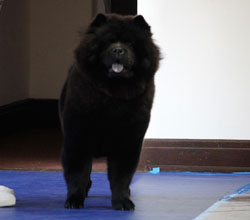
[{"x": 105, "y": 105}]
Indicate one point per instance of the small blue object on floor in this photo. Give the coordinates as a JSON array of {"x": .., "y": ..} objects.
[
  {"x": 155, "y": 170},
  {"x": 175, "y": 196}
]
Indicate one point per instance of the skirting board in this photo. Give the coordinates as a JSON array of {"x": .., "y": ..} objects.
[
  {"x": 168, "y": 154},
  {"x": 196, "y": 155}
]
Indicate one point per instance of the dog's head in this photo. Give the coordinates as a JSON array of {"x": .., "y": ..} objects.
[{"x": 118, "y": 47}]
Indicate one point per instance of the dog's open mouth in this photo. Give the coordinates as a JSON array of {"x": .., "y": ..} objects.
[
  {"x": 117, "y": 67},
  {"x": 118, "y": 70}
]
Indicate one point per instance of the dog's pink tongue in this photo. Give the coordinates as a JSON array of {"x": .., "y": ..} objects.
[{"x": 117, "y": 68}]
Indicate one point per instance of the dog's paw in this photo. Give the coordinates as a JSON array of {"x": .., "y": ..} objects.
[
  {"x": 123, "y": 204},
  {"x": 74, "y": 204}
]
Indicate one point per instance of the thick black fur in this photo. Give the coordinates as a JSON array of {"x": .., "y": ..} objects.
[{"x": 105, "y": 113}]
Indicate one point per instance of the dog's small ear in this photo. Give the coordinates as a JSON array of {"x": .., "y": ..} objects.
[
  {"x": 99, "y": 20},
  {"x": 140, "y": 21}
]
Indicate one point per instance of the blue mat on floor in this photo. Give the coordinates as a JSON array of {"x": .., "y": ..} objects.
[{"x": 174, "y": 196}]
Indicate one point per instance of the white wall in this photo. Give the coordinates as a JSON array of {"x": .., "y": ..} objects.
[{"x": 203, "y": 85}]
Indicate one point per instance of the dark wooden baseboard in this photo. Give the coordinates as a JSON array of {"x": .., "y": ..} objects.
[
  {"x": 196, "y": 155},
  {"x": 168, "y": 154}
]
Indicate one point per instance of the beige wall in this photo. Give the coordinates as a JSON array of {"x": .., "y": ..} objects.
[
  {"x": 37, "y": 38},
  {"x": 14, "y": 46},
  {"x": 54, "y": 26}
]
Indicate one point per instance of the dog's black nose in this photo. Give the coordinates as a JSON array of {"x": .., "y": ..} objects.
[{"x": 118, "y": 51}]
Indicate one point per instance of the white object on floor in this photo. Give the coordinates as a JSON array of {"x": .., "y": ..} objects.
[{"x": 7, "y": 197}]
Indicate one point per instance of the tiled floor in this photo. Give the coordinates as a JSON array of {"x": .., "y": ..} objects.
[{"x": 233, "y": 207}]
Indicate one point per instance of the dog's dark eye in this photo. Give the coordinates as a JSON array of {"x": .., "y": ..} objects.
[
  {"x": 113, "y": 40},
  {"x": 129, "y": 44}
]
